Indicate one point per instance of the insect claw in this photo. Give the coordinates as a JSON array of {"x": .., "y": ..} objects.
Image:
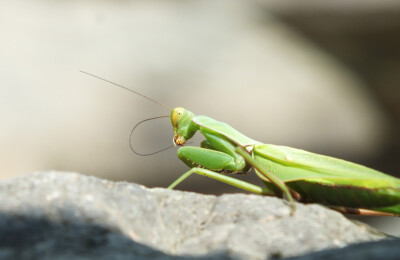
[
  {"x": 291, "y": 201},
  {"x": 292, "y": 208}
]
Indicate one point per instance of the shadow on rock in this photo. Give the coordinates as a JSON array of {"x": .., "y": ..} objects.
[{"x": 22, "y": 237}]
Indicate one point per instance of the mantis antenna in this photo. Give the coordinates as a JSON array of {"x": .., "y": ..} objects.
[
  {"x": 137, "y": 93},
  {"x": 148, "y": 119},
  {"x": 133, "y": 129}
]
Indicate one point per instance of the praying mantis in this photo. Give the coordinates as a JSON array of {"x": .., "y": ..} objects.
[{"x": 291, "y": 173}]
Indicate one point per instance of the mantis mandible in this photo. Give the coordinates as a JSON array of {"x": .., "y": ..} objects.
[{"x": 294, "y": 174}]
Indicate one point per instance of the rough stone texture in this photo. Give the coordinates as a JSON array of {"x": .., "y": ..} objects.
[{"x": 62, "y": 215}]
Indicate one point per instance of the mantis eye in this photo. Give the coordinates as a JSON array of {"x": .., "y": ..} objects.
[{"x": 176, "y": 115}]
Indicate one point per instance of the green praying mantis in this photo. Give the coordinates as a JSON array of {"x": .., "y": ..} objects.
[{"x": 294, "y": 174}]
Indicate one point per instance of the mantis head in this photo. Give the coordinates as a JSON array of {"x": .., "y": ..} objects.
[{"x": 184, "y": 127}]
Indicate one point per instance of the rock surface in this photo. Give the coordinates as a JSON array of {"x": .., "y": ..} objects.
[{"x": 59, "y": 215}]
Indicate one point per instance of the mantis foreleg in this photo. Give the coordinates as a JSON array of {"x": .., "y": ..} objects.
[{"x": 223, "y": 156}]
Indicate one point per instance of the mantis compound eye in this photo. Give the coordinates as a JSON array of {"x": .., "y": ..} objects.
[{"x": 176, "y": 115}]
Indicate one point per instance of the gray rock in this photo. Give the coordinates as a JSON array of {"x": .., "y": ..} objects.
[{"x": 58, "y": 215}]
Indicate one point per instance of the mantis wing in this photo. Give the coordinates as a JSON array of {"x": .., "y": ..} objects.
[
  {"x": 295, "y": 164},
  {"x": 329, "y": 180}
]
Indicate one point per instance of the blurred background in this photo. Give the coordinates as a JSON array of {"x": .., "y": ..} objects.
[{"x": 316, "y": 75}]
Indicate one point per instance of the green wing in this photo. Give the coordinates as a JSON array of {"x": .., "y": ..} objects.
[
  {"x": 224, "y": 129},
  {"x": 331, "y": 181},
  {"x": 290, "y": 164}
]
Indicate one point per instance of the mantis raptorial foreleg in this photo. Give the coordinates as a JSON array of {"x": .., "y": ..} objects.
[
  {"x": 226, "y": 157},
  {"x": 220, "y": 158},
  {"x": 189, "y": 151}
]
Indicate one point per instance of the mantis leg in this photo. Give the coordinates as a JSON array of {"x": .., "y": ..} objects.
[
  {"x": 226, "y": 179},
  {"x": 269, "y": 177},
  {"x": 212, "y": 160},
  {"x": 217, "y": 155},
  {"x": 224, "y": 156}
]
